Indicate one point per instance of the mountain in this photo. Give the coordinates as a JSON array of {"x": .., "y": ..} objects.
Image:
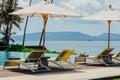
[
  {"x": 56, "y": 36},
  {"x": 67, "y": 36},
  {"x": 104, "y": 36}
]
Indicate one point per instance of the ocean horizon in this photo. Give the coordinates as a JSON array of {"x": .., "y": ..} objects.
[{"x": 88, "y": 47}]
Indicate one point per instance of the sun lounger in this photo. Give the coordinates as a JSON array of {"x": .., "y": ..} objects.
[
  {"x": 30, "y": 62},
  {"x": 117, "y": 56},
  {"x": 104, "y": 57},
  {"x": 63, "y": 57}
]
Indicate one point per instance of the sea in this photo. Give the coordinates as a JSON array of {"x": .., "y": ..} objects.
[{"x": 87, "y": 47}]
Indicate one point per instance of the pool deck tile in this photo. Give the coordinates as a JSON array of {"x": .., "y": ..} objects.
[{"x": 70, "y": 75}]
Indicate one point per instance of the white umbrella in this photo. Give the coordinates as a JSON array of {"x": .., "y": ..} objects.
[
  {"x": 108, "y": 15},
  {"x": 45, "y": 9}
]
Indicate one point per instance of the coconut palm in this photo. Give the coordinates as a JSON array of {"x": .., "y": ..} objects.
[
  {"x": 1, "y": 10},
  {"x": 3, "y": 32},
  {"x": 8, "y": 20},
  {"x": 26, "y": 26}
]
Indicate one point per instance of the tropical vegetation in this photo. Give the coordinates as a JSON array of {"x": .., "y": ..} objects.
[
  {"x": 8, "y": 21},
  {"x": 24, "y": 35},
  {"x": 21, "y": 48},
  {"x": 83, "y": 55}
]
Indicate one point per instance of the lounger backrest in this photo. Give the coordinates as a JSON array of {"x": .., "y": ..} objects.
[
  {"x": 118, "y": 55},
  {"x": 34, "y": 56},
  {"x": 64, "y": 55},
  {"x": 105, "y": 52}
]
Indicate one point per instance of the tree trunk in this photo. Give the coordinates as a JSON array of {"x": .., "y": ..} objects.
[
  {"x": 24, "y": 35},
  {"x": 7, "y": 35},
  {"x": 14, "y": 2}
]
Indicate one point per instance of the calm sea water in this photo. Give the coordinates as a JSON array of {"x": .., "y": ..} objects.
[{"x": 88, "y": 47}]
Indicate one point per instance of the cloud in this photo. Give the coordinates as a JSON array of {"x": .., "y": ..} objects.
[
  {"x": 84, "y": 7},
  {"x": 116, "y": 5},
  {"x": 23, "y": 3}
]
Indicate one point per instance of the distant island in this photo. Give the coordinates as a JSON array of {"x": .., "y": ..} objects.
[{"x": 66, "y": 36}]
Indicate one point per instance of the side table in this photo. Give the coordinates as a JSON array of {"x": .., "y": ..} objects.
[
  {"x": 44, "y": 61},
  {"x": 80, "y": 59}
]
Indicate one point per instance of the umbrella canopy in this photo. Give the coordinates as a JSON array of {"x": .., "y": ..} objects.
[
  {"x": 45, "y": 9},
  {"x": 109, "y": 15}
]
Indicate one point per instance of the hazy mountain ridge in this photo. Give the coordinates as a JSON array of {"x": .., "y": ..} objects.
[{"x": 67, "y": 36}]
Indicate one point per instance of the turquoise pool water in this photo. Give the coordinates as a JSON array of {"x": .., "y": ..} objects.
[
  {"x": 6, "y": 55},
  {"x": 23, "y": 55}
]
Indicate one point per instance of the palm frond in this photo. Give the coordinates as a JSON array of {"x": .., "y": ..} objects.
[
  {"x": 12, "y": 40},
  {"x": 2, "y": 32},
  {"x": 12, "y": 33},
  {"x": 17, "y": 25}
]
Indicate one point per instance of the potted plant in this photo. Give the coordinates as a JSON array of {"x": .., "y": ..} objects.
[
  {"x": 81, "y": 58},
  {"x": 83, "y": 55}
]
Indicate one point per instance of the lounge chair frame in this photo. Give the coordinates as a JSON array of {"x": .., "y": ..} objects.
[
  {"x": 104, "y": 55},
  {"x": 30, "y": 62},
  {"x": 63, "y": 57},
  {"x": 116, "y": 57}
]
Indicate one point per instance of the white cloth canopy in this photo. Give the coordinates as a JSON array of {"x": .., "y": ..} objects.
[
  {"x": 108, "y": 15},
  {"x": 45, "y": 9}
]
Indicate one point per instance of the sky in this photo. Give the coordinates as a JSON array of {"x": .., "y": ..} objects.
[{"x": 84, "y": 7}]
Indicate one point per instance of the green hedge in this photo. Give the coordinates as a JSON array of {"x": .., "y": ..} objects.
[{"x": 21, "y": 48}]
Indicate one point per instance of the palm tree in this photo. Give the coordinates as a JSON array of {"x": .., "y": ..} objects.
[
  {"x": 3, "y": 32},
  {"x": 1, "y": 10},
  {"x": 8, "y": 20},
  {"x": 26, "y": 26}
]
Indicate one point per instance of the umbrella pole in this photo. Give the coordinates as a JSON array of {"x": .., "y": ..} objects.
[
  {"x": 44, "y": 31},
  {"x": 109, "y": 21}
]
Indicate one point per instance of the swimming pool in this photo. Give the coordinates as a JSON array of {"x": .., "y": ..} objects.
[
  {"x": 6, "y": 55},
  {"x": 23, "y": 55}
]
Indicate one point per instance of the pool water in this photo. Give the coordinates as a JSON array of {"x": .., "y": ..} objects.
[
  {"x": 23, "y": 55},
  {"x": 6, "y": 55}
]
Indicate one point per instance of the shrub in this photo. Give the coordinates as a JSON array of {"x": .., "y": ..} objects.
[
  {"x": 83, "y": 55},
  {"x": 16, "y": 47},
  {"x": 29, "y": 49},
  {"x": 55, "y": 52},
  {"x": 2, "y": 43},
  {"x": 21, "y": 48}
]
